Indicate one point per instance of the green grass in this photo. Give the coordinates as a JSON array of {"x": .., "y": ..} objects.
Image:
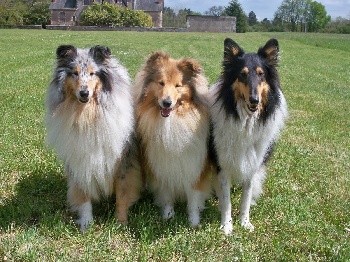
[{"x": 304, "y": 214}]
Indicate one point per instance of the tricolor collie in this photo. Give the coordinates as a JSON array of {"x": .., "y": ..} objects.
[
  {"x": 90, "y": 122},
  {"x": 173, "y": 127},
  {"x": 248, "y": 110}
]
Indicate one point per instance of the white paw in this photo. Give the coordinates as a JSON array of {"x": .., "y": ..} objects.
[
  {"x": 84, "y": 223},
  {"x": 246, "y": 224},
  {"x": 194, "y": 219},
  {"x": 168, "y": 212},
  {"x": 227, "y": 228},
  {"x": 85, "y": 216}
]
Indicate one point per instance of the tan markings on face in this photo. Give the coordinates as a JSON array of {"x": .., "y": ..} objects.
[
  {"x": 85, "y": 113},
  {"x": 72, "y": 83},
  {"x": 263, "y": 89},
  {"x": 241, "y": 90},
  {"x": 94, "y": 83},
  {"x": 166, "y": 83},
  {"x": 79, "y": 78},
  {"x": 168, "y": 87}
]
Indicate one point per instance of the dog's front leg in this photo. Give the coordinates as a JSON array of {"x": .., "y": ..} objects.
[
  {"x": 81, "y": 203},
  {"x": 225, "y": 202},
  {"x": 245, "y": 205},
  {"x": 194, "y": 207},
  {"x": 165, "y": 200}
]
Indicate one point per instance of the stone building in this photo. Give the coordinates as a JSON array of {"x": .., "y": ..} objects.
[
  {"x": 198, "y": 23},
  {"x": 67, "y": 12}
]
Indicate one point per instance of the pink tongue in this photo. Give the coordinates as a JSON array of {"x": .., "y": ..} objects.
[{"x": 165, "y": 112}]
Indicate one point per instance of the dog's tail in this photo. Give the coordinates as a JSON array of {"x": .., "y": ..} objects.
[{"x": 257, "y": 183}]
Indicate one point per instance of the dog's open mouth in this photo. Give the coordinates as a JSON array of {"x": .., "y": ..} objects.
[
  {"x": 165, "y": 112},
  {"x": 252, "y": 108},
  {"x": 83, "y": 100}
]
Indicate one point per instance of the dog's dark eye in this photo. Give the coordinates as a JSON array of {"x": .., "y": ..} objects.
[
  {"x": 75, "y": 73},
  {"x": 92, "y": 73},
  {"x": 161, "y": 83},
  {"x": 262, "y": 76},
  {"x": 177, "y": 85},
  {"x": 244, "y": 74}
]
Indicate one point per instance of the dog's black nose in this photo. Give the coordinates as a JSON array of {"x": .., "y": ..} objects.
[
  {"x": 84, "y": 93},
  {"x": 166, "y": 103},
  {"x": 254, "y": 100}
]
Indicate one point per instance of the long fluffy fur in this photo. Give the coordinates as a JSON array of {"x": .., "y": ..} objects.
[
  {"x": 242, "y": 139},
  {"x": 92, "y": 139},
  {"x": 174, "y": 148}
]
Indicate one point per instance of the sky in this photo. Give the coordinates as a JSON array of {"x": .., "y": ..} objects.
[{"x": 261, "y": 8}]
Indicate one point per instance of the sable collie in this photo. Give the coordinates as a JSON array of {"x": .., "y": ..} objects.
[
  {"x": 173, "y": 127},
  {"x": 247, "y": 110},
  {"x": 90, "y": 121}
]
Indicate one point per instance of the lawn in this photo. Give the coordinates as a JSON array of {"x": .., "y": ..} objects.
[{"x": 303, "y": 215}]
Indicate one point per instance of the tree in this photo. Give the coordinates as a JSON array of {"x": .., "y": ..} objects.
[
  {"x": 235, "y": 9},
  {"x": 311, "y": 15},
  {"x": 316, "y": 16},
  {"x": 215, "y": 11},
  {"x": 252, "y": 20},
  {"x": 111, "y": 15},
  {"x": 37, "y": 14},
  {"x": 11, "y": 12},
  {"x": 182, "y": 14},
  {"x": 176, "y": 19},
  {"x": 169, "y": 17},
  {"x": 340, "y": 26},
  {"x": 291, "y": 12}
]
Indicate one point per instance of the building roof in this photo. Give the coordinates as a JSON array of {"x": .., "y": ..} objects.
[
  {"x": 149, "y": 5},
  {"x": 63, "y": 4}
]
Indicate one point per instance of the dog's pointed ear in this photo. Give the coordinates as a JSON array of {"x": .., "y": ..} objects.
[
  {"x": 66, "y": 52},
  {"x": 270, "y": 52},
  {"x": 231, "y": 49},
  {"x": 155, "y": 60},
  {"x": 100, "y": 53},
  {"x": 155, "y": 57},
  {"x": 189, "y": 66}
]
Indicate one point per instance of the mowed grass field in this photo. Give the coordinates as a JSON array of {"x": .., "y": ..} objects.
[{"x": 303, "y": 215}]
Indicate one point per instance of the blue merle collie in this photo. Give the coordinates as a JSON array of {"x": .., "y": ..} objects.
[
  {"x": 248, "y": 110},
  {"x": 90, "y": 123}
]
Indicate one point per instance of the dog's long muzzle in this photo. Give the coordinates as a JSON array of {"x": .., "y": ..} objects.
[
  {"x": 253, "y": 103},
  {"x": 84, "y": 96},
  {"x": 165, "y": 107}
]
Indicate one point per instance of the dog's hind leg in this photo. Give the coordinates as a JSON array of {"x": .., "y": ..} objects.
[
  {"x": 128, "y": 191},
  {"x": 245, "y": 205},
  {"x": 81, "y": 203},
  {"x": 225, "y": 202}
]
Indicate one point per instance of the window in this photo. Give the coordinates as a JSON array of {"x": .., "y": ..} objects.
[{"x": 62, "y": 17}]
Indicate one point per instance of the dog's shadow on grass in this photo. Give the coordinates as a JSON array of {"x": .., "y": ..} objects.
[
  {"x": 36, "y": 198},
  {"x": 147, "y": 225},
  {"x": 39, "y": 200}
]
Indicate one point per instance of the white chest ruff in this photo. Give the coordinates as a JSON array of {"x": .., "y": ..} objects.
[
  {"x": 176, "y": 151},
  {"x": 241, "y": 144},
  {"x": 91, "y": 153}
]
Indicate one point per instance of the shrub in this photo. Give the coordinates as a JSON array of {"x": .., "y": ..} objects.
[
  {"x": 38, "y": 14},
  {"x": 111, "y": 15}
]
